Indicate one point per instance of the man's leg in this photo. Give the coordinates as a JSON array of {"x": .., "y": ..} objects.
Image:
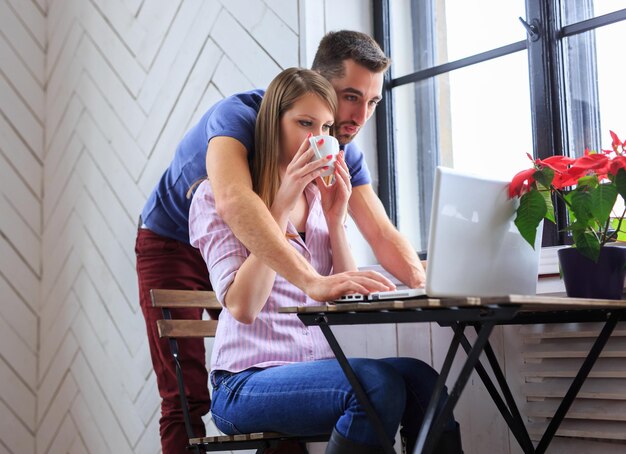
[
  {"x": 309, "y": 398},
  {"x": 169, "y": 264}
]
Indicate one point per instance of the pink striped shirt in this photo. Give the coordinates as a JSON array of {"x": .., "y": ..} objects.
[{"x": 272, "y": 339}]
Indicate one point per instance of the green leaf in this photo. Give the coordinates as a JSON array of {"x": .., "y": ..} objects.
[
  {"x": 547, "y": 196},
  {"x": 621, "y": 229},
  {"x": 587, "y": 244},
  {"x": 581, "y": 205},
  {"x": 620, "y": 182},
  {"x": 588, "y": 181},
  {"x": 602, "y": 201},
  {"x": 544, "y": 176},
  {"x": 531, "y": 211}
]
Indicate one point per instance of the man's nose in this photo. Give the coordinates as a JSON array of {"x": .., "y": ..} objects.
[{"x": 360, "y": 114}]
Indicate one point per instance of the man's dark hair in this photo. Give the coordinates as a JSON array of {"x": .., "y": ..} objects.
[{"x": 335, "y": 47}]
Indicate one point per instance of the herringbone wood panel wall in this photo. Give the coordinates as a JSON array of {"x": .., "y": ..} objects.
[{"x": 94, "y": 96}]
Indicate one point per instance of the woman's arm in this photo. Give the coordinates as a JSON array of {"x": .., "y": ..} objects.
[{"x": 335, "y": 206}]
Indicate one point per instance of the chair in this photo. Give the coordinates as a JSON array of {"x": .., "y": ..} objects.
[{"x": 172, "y": 330}]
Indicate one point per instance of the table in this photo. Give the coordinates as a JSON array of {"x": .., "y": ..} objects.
[{"x": 483, "y": 314}]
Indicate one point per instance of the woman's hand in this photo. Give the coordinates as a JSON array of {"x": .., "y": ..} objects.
[
  {"x": 300, "y": 172},
  {"x": 335, "y": 196}
]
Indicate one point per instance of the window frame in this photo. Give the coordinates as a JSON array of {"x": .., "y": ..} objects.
[{"x": 547, "y": 88}]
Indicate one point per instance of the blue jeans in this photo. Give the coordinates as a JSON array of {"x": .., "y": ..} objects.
[{"x": 312, "y": 398}]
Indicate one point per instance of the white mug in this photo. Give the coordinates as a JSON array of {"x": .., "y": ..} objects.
[{"x": 329, "y": 146}]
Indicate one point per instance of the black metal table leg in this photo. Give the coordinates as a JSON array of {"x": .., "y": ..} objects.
[
  {"x": 508, "y": 410},
  {"x": 356, "y": 386},
  {"x": 428, "y": 444},
  {"x": 431, "y": 410}
]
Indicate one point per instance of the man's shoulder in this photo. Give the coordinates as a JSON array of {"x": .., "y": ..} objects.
[{"x": 244, "y": 100}]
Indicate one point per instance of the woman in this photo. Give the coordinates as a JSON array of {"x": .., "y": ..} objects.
[{"x": 270, "y": 372}]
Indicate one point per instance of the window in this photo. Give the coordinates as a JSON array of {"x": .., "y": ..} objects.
[{"x": 476, "y": 85}]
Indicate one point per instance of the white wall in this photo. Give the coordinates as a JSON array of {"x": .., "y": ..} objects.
[{"x": 22, "y": 114}]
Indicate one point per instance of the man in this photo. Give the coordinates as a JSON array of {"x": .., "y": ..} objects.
[{"x": 355, "y": 66}]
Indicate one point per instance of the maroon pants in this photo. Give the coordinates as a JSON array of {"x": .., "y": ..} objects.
[{"x": 169, "y": 264}]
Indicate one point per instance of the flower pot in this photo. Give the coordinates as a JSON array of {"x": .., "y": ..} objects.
[{"x": 584, "y": 278}]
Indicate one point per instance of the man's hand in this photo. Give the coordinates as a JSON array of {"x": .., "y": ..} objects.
[{"x": 328, "y": 288}]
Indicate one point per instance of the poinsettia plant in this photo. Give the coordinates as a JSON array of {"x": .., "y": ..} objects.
[{"x": 588, "y": 185}]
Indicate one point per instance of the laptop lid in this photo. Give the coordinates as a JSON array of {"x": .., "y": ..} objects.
[{"x": 474, "y": 248}]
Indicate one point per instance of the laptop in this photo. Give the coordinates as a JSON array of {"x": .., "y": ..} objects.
[{"x": 474, "y": 248}]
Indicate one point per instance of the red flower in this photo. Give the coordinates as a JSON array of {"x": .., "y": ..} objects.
[
  {"x": 598, "y": 163},
  {"x": 616, "y": 142},
  {"x": 520, "y": 182},
  {"x": 617, "y": 163},
  {"x": 556, "y": 163}
]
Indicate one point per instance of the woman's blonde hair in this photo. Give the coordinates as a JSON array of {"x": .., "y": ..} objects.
[{"x": 282, "y": 93}]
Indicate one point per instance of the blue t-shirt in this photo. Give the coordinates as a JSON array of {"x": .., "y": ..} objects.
[{"x": 166, "y": 211}]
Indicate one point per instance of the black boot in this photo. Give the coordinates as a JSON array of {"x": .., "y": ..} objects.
[
  {"x": 449, "y": 442},
  {"x": 339, "y": 444}
]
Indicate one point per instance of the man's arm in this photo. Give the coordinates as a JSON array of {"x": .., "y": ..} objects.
[
  {"x": 251, "y": 222},
  {"x": 392, "y": 249}
]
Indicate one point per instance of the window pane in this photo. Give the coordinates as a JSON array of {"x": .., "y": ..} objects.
[
  {"x": 475, "y": 119},
  {"x": 595, "y": 95},
  {"x": 429, "y": 33},
  {"x": 577, "y": 10}
]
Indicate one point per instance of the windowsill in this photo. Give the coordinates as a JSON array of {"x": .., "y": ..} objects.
[{"x": 549, "y": 261}]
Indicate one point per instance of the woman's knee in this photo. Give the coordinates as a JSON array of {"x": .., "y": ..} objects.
[{"x": 383, "y": 384}]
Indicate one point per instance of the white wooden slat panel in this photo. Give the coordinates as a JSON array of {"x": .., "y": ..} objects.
[
  {"x": 62, "y": 82},
  {"x": 182, "y": 110},
  {"x": 157, "y": 17},
  {"x": 16, "y": 353},
  {"x": 22, "y": 79},
  {"x": 18, "y": 315},
  {"x": 414, "y": 341},
  {"x": 16, "y": 153},
  {"x": 107, "y": 373},
  {"x": 120, "y": 140},
  {"x": 99, "y": 407},
  {"x": 129, "y": 323},
  {"x": 58, "y": 140},
  {"x": 21, "y": 400},
  {"x": 173, "y": 44},
  {"x": 268, "y": 29},
  {"x": 123, "y": 227},
  {"x": 135, "y": 5},
  {"x": 78, "y": 447},
  {"x": 64, "y": 438},
  {"x": 58, "y": 245},
  {"x": 22, "y": 41},
  {"x": 122, "y": 20},
  {"x": 20, "y": 235},
  {"x": 22, "y": 279},
  {"x": 287, "y": 10},
  {"x": 65, "y": 39},
  {"x": 108, "y": 165},
  {"x": 56, "y": 335},
  {"x": 58, "y": 179},
  {"x": 32, "y": 18},
  {"x": 251, "y": 58},
  {"x": 149, "y": 444},
  {"x": 145, "y": 403},
  {"x": 14, "y": 435},
  {"x": 118, "y": 56},
  {"x": 22, "y": 118},
  {"x": 59, "y": 408},
  {"x": 230, "y": 80},
  {"x": 117, "y": 355},
  {"x": 14, "y": 188},
  {"x": 209, "y": 97},
  {"x": 110, "y": 84},
  {"x": 88, "y": 428},
  {"x": 52, "y": 379},
  {"x": 184, "y": 62},
  {"x": 57, "y": 12}
]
